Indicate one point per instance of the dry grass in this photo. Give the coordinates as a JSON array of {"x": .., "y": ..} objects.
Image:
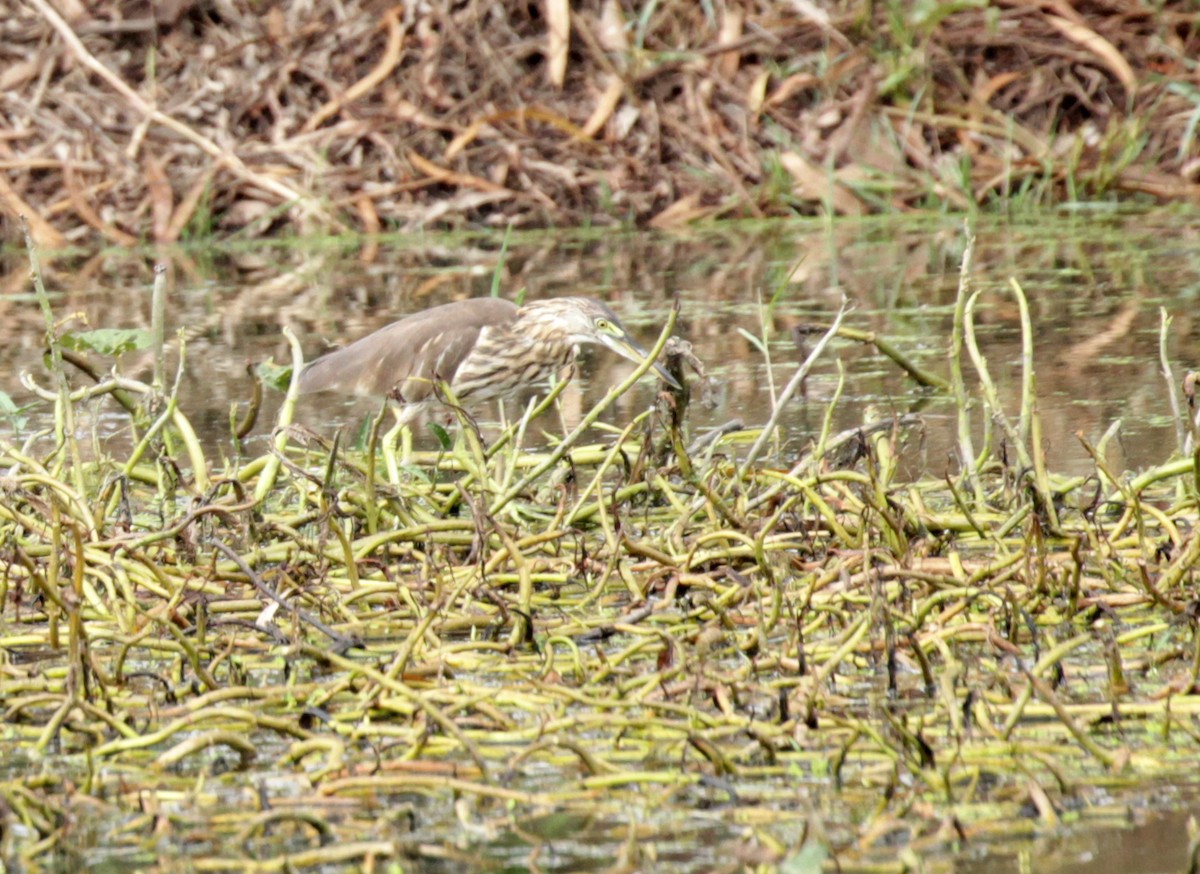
[{"x": 223, "y": 117}]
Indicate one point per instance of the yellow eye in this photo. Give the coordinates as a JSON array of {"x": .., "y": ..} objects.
[{"x": 606, "y": 326}]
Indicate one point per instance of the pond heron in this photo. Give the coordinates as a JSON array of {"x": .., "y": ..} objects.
[{"x": 482, "y": 348}]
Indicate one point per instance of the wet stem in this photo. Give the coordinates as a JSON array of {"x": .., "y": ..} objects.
[{"x": 64, "y": 413}]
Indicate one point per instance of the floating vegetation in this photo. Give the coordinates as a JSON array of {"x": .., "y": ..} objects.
[{"x": 650, "y": 649}]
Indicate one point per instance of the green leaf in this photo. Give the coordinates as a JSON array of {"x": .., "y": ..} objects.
[
  {"x": 10, "y": 411},
  {"x": 277, "y": 376},
  {"x": 442, "y": 435},
  {"x": 108, "y": 341}
]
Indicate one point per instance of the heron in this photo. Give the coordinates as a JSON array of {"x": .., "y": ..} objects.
[{"x": 481, "y": 348}]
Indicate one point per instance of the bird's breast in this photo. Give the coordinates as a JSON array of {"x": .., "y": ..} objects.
[{"x": 501, "y": 366}]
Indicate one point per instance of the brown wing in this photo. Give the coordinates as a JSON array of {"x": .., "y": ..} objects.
[{"x": 408, "y": 355}]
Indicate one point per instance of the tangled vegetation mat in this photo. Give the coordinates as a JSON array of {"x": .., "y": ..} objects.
[{"x": 621, "y": 651}]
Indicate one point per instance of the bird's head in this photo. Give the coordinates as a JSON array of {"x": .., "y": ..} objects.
[{"x": 587, "y": 320}]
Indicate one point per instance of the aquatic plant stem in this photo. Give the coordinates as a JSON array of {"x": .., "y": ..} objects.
[
  {"x": 64, "y": 410},
  {"x": 1028, "y": 377},
  {"x": 398, "y": 688},
  {"x": 171, "y": 413},
  {"x": 966, "y": 447},
  {"x": 601, "y": 469},
  {"x": 888, "y": 349},
  {"x": 158, "y": 306},
  {"x": 1030, "y": 429},
  {"x": 827, "y": 419},
  {"x": 266, "y": 479},
  {"x": 991, "y": 397},
  {"x": 1185, "y": 426},
  {"x": 780, "y": 404}
]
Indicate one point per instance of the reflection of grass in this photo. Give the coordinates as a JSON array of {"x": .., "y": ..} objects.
[
  {"x": 623, "y": 631},
  {"x": 201, "y": 224}
]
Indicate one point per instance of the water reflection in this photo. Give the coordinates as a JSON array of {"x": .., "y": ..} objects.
[
  {"x": 1095, "y": 288},
  {"x": 1134, "y": 841}
]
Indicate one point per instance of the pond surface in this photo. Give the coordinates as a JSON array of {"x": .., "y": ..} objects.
[{"x": 1095, "y": 284}]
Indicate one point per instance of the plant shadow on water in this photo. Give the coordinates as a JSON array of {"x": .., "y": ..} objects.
[{"x": 647, "y": 659}]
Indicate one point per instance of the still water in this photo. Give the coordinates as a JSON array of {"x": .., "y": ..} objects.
[{"x": 1096, "y": 285}]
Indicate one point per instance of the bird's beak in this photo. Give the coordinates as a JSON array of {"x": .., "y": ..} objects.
[{"x": 627, "y": 347}]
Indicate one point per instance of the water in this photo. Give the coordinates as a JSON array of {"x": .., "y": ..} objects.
[{"x": 1095, "y": 286}]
